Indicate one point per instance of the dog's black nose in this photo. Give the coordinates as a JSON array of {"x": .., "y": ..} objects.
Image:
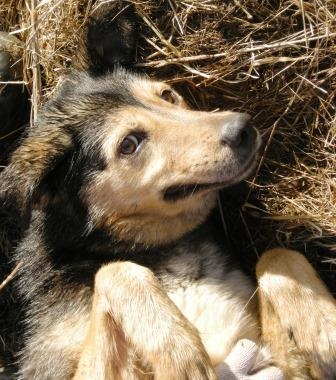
[{"x": 238, "y": 132}]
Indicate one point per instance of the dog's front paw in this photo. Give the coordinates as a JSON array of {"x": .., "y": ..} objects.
[
  {"x": 241, "y": 364},
  {"x": 186, "y": 359},
  {"x": 186, "y": 367}
]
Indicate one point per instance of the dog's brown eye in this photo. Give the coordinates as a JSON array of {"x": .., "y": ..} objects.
[
  {"x": 169, "y": 96},
  {"x": 129, "y": 145},
  {"x": 132, "y": 142}
]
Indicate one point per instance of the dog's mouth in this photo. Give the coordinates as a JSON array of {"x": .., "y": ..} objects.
[
  {"x": 181, "y": 191},
  {"x": 174, "y": 193}
]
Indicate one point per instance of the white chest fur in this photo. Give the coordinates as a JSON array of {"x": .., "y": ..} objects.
[
  {"x": 219, "y": 303},
  {"x": 221, "y": 311}
]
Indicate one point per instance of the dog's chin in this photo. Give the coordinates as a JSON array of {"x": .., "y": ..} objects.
[{"x": 181, "y": 191}]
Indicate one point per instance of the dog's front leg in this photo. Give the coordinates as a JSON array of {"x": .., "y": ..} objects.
[
  {"x": 298, "y": 315},
  {"x": 132, "y": 315}
]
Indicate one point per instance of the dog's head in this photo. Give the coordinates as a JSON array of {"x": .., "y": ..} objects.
[{"x": 128, "y": 150}]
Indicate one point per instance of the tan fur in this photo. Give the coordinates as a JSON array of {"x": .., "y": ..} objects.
[
  {"x": 30, "y": 161},
  {"x": 150, "y": 92},
  {"x": 298, "y": 315}
]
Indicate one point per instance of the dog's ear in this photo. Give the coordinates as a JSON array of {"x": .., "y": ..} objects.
[
  {"x": 37, "y": 155},
  {"x": 111, "y": 36}
]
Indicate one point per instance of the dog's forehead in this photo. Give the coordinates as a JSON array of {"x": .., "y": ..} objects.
[
  {"x": 115, "y": 89},
  {"x": 106, "y": 93},
  {"x": 80, "y": 87},
  {"x": 89, "y": 106}
]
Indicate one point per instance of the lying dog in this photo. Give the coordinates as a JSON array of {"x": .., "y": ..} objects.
[{"x": 122, "y": 275}]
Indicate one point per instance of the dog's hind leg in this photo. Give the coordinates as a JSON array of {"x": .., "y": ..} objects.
[
  {"x": 298, "y": 316},
  {"x": 133, "y": 319}
]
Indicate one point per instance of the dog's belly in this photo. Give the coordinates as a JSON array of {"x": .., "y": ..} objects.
[{"x": 222, "y": 310}]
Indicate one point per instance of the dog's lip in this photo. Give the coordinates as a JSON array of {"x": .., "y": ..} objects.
[
  {"x": 183, "y": 190},
  {"x": 175, "y": 192}
]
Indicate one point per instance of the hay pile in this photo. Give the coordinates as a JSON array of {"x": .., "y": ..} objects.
[{"x": 274, "y": 59}]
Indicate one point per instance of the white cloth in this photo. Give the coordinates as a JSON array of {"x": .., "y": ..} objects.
[{"x": 240, "y": 363}]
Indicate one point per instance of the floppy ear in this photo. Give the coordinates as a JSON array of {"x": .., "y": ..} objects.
[
  {"x": 112, "y": 34},
  {"x": 37, "y": 155}
]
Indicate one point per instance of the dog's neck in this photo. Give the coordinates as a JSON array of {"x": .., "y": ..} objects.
[
  {"x": 155, "y": 231},
  {"x": 120, "y": 234}
]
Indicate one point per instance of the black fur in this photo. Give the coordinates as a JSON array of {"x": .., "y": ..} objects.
[{"x": 112, "y": 36}]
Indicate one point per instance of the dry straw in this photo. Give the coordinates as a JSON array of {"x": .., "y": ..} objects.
[{"x": 273, "y": 59}]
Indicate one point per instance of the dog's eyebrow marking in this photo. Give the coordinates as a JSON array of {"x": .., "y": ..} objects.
[
  {"x": 175, "y": 114},
  {"x": 124, "y": 98}
]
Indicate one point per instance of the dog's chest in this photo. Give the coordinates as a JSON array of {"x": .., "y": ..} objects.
[{"x": 215, "y": 299}]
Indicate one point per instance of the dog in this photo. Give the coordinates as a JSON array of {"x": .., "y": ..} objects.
[{"x": 122, "y": 273}]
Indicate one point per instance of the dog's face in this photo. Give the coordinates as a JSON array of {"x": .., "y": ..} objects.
[
  {"x": 162, "y": 156},
  {"x": 144, "y": 166},
  {"x": 163, "y": 162}
]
